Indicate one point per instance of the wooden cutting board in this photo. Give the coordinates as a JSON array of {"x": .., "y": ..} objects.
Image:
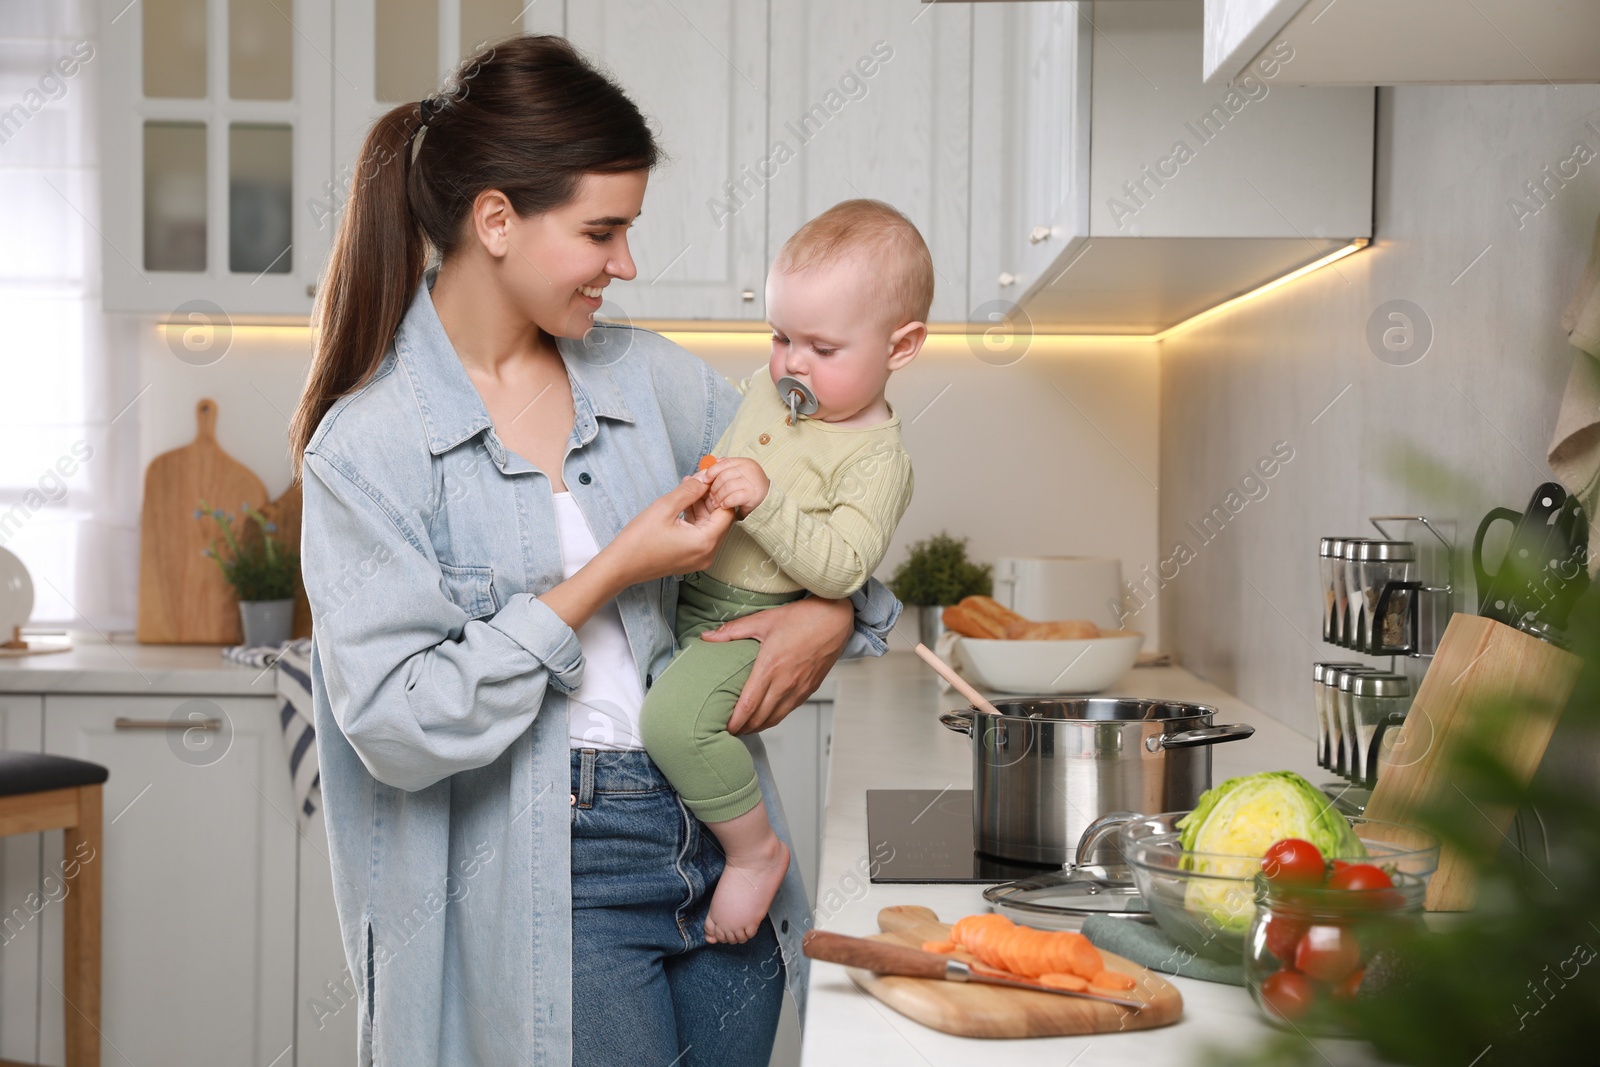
[
  {"x": 285, "y": 513},
  {"x": 183, "y": 598},
  {"x": 1479, "y": 661},
  {"x": 969, "y": 1009}
]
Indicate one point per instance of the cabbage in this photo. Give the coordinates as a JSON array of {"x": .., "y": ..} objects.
[{"x": 1245, "y": 817}]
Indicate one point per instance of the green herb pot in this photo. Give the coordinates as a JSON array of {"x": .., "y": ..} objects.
[{"x": 266, "y": 622}]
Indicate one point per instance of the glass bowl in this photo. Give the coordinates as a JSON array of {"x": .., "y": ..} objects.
[
  {"x": 1311, "y": 952},
  {"x": 1205, "y": 901}
]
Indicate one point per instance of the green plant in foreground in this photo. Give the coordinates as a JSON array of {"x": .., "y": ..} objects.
[
  {"x": 257, "y": 568},
  {"x": 1516, "y": 981},
  {"x": 936, "y": 572}
]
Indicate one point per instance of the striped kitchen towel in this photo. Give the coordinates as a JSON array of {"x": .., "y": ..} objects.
[{"x": 292, "y": 663}]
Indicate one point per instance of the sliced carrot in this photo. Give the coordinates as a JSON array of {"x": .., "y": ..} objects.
[
  {"x": 707, "y": 462},
  {"x": 1064, "y": 981},
  {"x": 1085, "y": 958},
  {"x": 941, "y": 947},
  {"x": 1112, "y": 980}
]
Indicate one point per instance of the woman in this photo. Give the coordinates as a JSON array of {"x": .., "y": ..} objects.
[{"x": 493, "y": 491}]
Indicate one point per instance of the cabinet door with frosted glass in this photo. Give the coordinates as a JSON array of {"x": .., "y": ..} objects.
[{"x": 215, "y": 147}]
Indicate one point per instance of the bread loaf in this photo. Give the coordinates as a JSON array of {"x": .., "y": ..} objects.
[
  {"x": 986, "y": 618},
  {"x": 1059, "y": 630},
  {"x": 980, "y": 616}
]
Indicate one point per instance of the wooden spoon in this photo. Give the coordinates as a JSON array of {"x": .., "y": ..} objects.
[{"x": 962, "y": 686}]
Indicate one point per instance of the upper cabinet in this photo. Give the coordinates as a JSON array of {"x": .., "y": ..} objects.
[
  {"x": 698, "y": 69},
  {"x": 1407, "y": 42},
  {"x": 875, "y": 100},
  {"x": 215, "y": 136},
  {"x": 1114, "y": 192}
]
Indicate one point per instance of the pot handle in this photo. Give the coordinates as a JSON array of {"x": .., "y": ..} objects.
[
  {"x": 1097, "y": 831},
  {"x": 959, "y": 721},
  {"x": 1210, "y": 735}
]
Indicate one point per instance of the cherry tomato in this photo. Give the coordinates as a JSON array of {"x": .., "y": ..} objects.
[
  {"x": 1360, "y": 876},
  {"x": 1339, "y": 865},
  {"x": 1293, "y": 862},
  {"x": 1346, "y": 990},
  {"x": 1328, "y": 953},
  {"x": 1288, "y": 993},
  {"x": 1283, "y": 936}
]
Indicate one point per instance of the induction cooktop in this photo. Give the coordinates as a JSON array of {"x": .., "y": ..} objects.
[{"x": 926, "y": 835}]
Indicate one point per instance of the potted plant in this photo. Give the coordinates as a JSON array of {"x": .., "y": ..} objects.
[
  {"x": 262, "y": 573},
  {"x": 935, "y": 574}
]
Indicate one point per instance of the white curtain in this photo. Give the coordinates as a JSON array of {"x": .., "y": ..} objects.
[{"x": 69, "y": 374}]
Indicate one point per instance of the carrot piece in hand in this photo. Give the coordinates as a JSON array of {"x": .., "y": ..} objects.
[
  {"x": 707, "y": 462},
  {"x": 1064, "y": 981}
]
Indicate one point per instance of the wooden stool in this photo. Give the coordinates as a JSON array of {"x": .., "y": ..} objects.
[{"x": 39, "y": 792}]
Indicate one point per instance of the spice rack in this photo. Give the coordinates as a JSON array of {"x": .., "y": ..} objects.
[{"x": 1431, "y": 604}]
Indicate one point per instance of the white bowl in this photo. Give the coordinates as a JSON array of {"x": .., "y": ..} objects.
[{"x": 1050, "y": 667}]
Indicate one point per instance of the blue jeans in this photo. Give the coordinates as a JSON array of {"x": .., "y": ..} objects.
[{"x": 646, "y": 987}]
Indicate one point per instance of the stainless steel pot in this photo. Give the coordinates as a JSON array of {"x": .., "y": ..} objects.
[{"x": 1045, "y": 768}]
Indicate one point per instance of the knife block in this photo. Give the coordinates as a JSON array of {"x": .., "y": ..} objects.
[{"x": 1479, "y": 661}]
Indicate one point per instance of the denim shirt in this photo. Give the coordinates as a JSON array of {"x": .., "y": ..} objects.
[{"x": 440, "y": 680}]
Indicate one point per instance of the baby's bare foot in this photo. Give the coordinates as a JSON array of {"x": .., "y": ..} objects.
[{"x": 744, "y": 892}]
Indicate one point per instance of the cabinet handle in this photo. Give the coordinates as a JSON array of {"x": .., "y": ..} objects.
[
  {"x": 167, "y": 724},
  {"x": 1007, "y": 279},
  {"x": 1037, "y": 234},
  {"x": 748, "y": 296}
]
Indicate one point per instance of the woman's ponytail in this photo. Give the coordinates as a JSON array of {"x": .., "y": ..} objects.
[
  {"x": 528, "y": 116},
  {"x": 377, "y": 260}
]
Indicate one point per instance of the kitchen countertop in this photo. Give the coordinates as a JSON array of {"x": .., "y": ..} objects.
[
  {"x": 122, "y": 665},
  {"x": 887, "y": 735}
]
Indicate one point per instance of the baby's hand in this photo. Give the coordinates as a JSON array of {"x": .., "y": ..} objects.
[{"x": 736, "y": 483}]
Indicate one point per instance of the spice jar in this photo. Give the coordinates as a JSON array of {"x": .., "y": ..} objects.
[
  {"x": 1340, "y": 679},
  {"x": 1376, "y": 699},
  {"x": 1391, "y": 566},
  {"x": 1329, "y": 550},
  {"x": 1347, "y": 594},
  {"x": 1323, "y": 695}
]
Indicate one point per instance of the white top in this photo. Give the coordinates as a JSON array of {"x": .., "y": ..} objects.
[{"x": 604, "y": 712}]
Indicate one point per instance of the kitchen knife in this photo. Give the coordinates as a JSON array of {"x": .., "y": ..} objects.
[
  {"x": 881, "y": 957},
  {"x": 1544, "y": 569}
]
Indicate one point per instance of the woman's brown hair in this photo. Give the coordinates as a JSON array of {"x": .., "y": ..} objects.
[{"x": 528, "y": 116}]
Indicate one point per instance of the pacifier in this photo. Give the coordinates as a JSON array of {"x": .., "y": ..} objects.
[{"x": 797, "y": 397}]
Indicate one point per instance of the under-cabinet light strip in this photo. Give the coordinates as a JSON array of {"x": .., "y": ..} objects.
[{"x": 684, "y": 331}]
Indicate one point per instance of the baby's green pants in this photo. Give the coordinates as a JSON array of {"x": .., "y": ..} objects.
[{"x": 684, "y": 721}]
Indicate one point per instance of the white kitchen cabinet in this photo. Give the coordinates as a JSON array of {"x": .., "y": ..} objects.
[
  {"x": 1126, "y": 195},
  {"x": 698, "y": 70},
  {"x": 198, "y": 935},
  {"x": 214, "y": 147},
  {"x": 875, "y": 100},
  {"x": 22, "y": 894},
  {"x": 1381, "y": 42},
  {"x": 797, "y": 751}
]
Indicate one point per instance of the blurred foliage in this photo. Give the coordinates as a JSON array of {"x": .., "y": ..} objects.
[
  {"x": 937, "y": 572},
  {"x": 1517, "y": 980},
  {"x": 254, "y": 563}
]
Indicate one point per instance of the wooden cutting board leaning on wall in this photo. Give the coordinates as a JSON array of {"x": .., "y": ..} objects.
[
  {"x": 284, "y": 512},
  {"x": 183, "y": 597}
]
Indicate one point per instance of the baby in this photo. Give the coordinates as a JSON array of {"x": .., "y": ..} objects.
[{"x": 818, "y": 483}]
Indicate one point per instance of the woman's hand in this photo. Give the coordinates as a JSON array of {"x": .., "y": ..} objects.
[
  {"x": 800, "y": 642},
  {"x": 676, "y": 533}
]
